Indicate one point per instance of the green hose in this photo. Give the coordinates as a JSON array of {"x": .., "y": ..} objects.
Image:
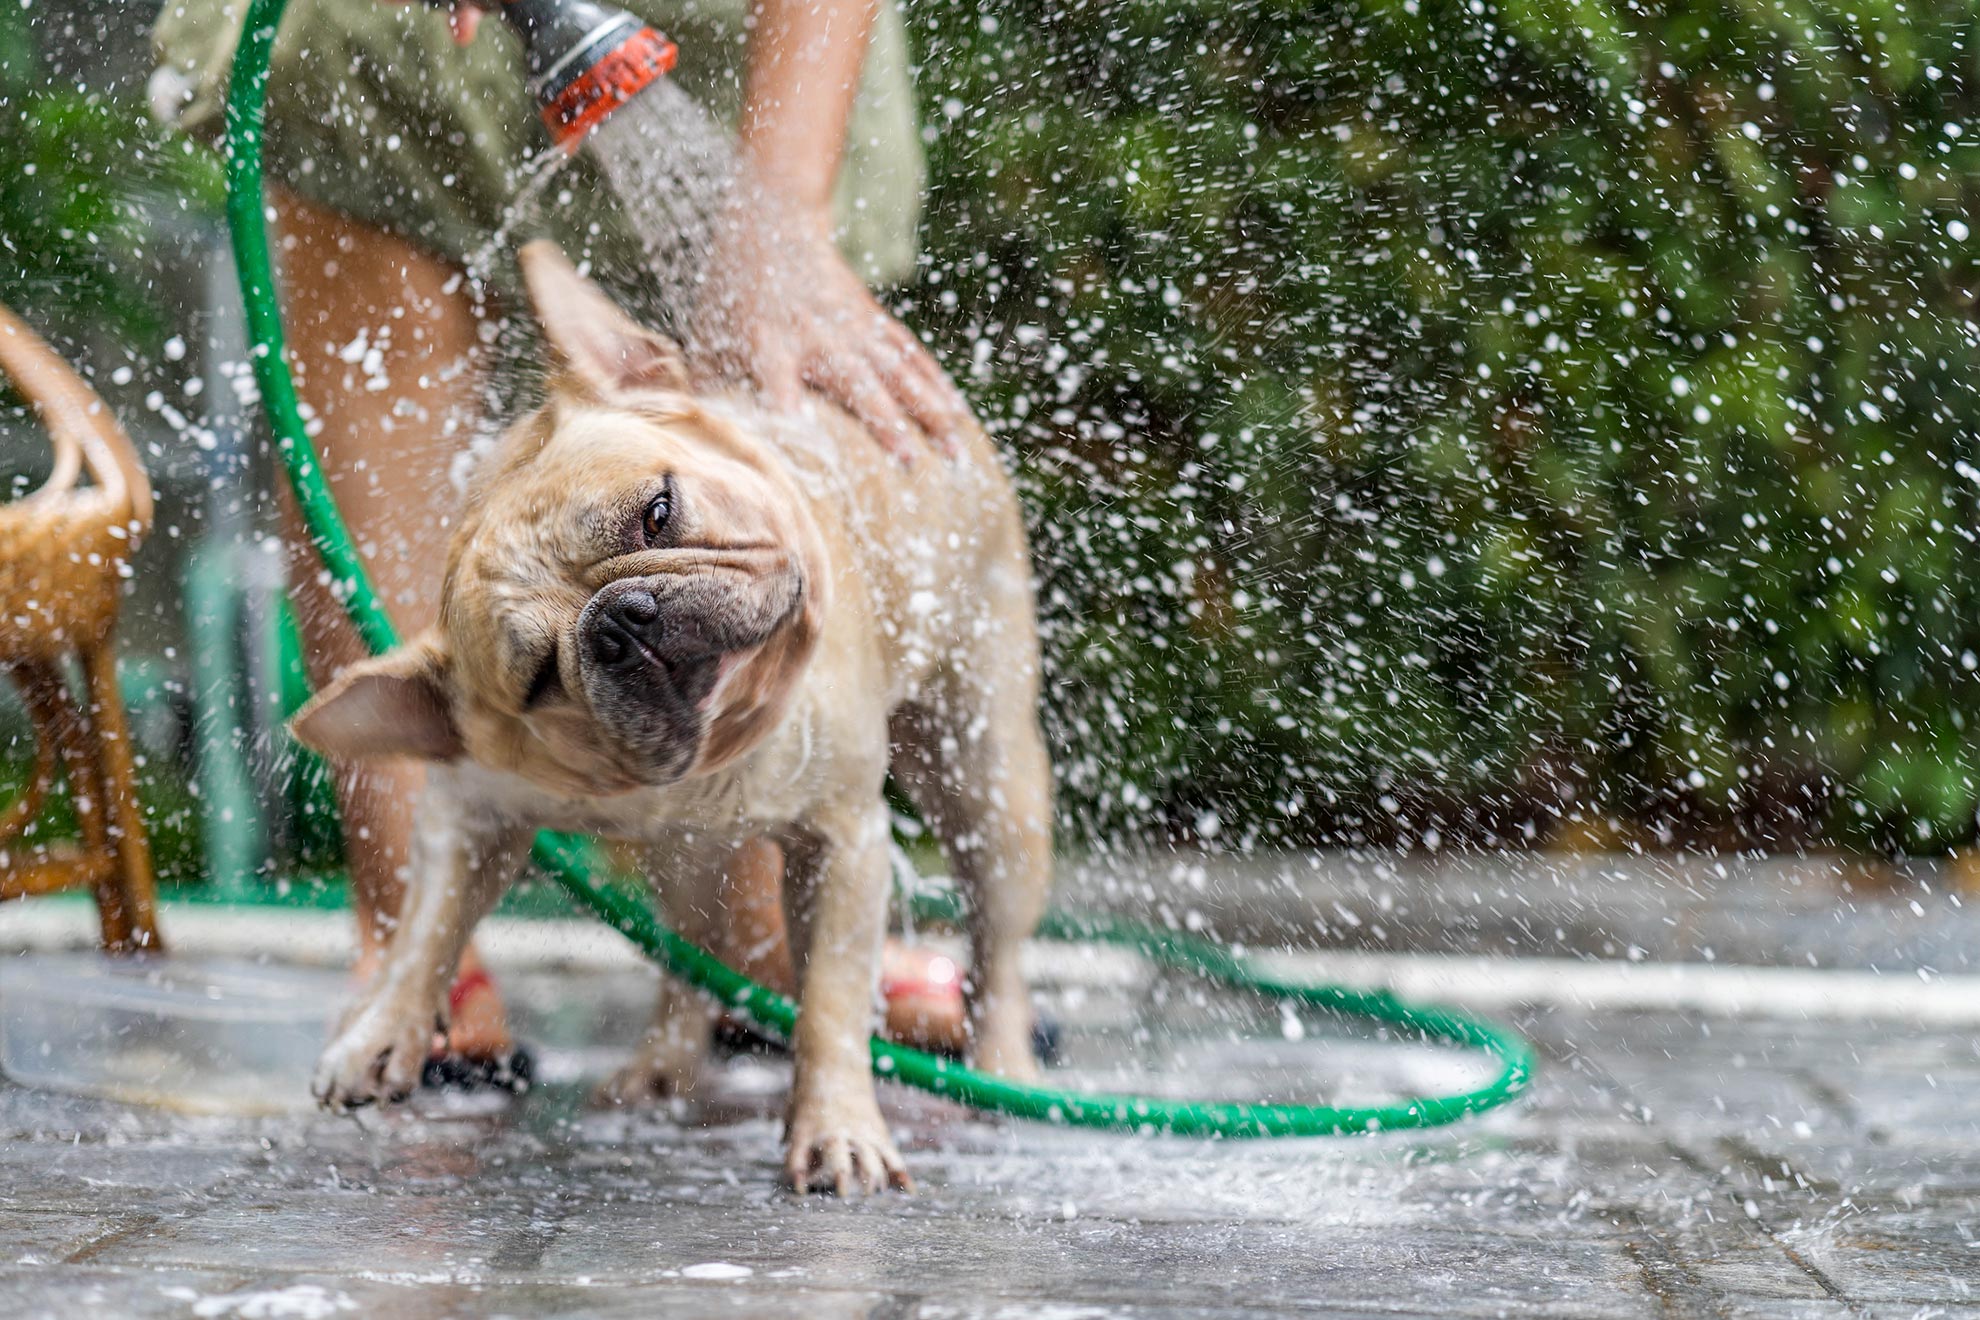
[{"x": 569, "y": 860}]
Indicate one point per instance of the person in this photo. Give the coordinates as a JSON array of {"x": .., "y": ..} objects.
[{"x": 397, "y": 137}]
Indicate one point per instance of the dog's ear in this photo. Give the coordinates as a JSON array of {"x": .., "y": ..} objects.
[
  {"x": 601, "y": 345},
  {"x": 393, "y": 705}
]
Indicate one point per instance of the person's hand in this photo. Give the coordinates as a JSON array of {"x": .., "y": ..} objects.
[{"x": 781, "y": 309}]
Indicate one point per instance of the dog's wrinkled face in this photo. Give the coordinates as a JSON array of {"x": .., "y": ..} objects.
[
  {"x": 630, "y": 598},
  {"x": 627, "y": 605}
]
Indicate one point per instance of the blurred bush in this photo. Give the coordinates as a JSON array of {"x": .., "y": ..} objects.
[
  {"x": 1463, "y": 416},
  {"x": 77, "y": 171}
]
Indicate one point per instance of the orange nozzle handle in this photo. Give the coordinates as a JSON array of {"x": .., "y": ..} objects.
[{"x": 619, "y": 75}]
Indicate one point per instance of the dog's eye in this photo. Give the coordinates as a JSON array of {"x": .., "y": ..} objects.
[
  {"x": 544, "y": 683},
  {"x": 658, "y": 514}
]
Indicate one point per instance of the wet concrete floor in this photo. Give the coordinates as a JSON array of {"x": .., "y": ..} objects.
[{"x": 1666, "y": 1163}]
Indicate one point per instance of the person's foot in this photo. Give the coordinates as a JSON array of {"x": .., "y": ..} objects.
[
  {"x": 923, "y": 991},
  {"x": 478, "y": 1023}
]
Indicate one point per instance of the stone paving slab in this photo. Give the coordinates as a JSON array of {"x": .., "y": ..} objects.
[
  {"x": 1622, "y": 1189},
  {"x": 1899, "y": 1256}
]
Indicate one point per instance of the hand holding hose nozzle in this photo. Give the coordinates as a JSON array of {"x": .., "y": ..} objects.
[{"x": 583, "y": 60}]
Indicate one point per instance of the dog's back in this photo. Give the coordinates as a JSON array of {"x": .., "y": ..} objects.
[{"x": 936, "y": 551}]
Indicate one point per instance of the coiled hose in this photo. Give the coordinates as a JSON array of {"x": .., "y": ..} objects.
[{"x": 571, "y": 862}]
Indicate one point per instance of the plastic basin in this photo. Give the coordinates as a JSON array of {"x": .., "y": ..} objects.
[{"x": 203, "y": 1036}]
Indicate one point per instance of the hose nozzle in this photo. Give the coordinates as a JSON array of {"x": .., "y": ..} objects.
[{"x": 584, "y": 60}]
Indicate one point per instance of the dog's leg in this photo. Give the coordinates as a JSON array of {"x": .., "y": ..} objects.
[
  {"x": 458, "y": 873},
  {"x": 1004, "y": 865},
  {"x": 669, "y": 1058},
  {"x": 975, "y": 765},
  {"x": 836, "y": 886}
]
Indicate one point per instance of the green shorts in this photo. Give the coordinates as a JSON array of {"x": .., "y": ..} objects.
[{"x": 374, "y": 111}]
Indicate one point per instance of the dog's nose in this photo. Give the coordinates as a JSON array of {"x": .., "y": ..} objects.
[
  {"x": 631, "y": 620},
  {"x": 636, "y": 608}
]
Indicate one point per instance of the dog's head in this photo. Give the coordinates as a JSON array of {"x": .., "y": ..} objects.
[{"x": 633, "y": 592}]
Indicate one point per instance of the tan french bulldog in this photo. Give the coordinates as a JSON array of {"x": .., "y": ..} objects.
[{"x": 682, "y": 622}]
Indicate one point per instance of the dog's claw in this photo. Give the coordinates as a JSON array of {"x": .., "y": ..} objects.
[
  {"x": 846, "y": 1158},
  {"x": 375, "y": 1059}
]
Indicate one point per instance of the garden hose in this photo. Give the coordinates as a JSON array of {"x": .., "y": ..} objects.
[{"x": 571, "y": 863}]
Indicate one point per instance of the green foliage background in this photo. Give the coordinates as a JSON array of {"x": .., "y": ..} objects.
[
  {"x": 1438, "y": 416},
  {"x": 1459, "y": 414},
  {"x": 76, "y": 171}
]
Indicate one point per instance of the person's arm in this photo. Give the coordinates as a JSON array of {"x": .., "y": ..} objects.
[
  {"x": 804, "y": 64},
  {"x": 801, "y": 317}
]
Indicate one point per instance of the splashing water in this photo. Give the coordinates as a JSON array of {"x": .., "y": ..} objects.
[
  {"x": 673, "y": 171},
  {"x": 527, "y": 204},
  {"x": 677, "y": 179},
  {"x": 724, "y": 262},
  {"x": 681, "y": 190}
]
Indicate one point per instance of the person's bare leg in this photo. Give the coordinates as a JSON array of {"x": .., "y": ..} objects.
[
  {"x": 752, "y": 939},
  {"x": 383, "y": 337},
  {"x": 751, "y": 900}
]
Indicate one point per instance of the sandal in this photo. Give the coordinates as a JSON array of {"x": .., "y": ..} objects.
[{"x": 511, "y": 1071}]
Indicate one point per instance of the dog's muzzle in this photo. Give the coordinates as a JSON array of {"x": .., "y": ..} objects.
[
  {"x": 653, "y": 650},
  {"x": 630, "y": 634}
]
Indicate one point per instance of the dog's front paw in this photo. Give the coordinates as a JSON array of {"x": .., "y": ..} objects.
[
  {"x": 842, "y": 1146},
  {"x": 376, "y": 1057}
]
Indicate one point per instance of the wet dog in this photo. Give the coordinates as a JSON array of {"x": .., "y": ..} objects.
[{"x": 679, "y": 621}]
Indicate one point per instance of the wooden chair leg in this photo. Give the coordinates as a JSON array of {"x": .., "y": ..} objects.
[
  {"x": 70, "y": 724},
  {"x": 134, "y": 888},
  {"x": 91, "y": 739}
]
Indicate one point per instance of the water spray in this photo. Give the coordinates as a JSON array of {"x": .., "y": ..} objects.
[{"x": 586, "y": 61}]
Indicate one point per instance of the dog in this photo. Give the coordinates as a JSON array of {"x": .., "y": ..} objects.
[{"x": 677, "y": 620}]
